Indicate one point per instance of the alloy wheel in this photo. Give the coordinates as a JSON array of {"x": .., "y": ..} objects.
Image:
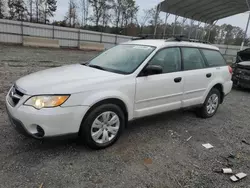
[{"x": 105, "y": 127}]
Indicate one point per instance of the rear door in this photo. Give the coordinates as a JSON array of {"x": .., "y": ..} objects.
[
  {"x": 216, "y": 61},
  {"x": 218, "y": 65},
  {"x": 197, "y": 76}
]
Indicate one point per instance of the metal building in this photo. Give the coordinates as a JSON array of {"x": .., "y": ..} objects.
[{"x": 206, "y": 11}]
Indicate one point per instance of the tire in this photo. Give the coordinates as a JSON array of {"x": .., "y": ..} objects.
[
  {"x": 89, "y": 131},
  {"x": 204, "y": 111}
]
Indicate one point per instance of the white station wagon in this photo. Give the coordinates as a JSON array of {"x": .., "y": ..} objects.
[{"x": 132, "y": 80}]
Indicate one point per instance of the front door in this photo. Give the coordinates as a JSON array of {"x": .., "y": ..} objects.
[{"x": 161, "y": 92}]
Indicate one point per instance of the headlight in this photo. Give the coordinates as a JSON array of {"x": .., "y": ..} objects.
[{"x": 40, "y": 102}]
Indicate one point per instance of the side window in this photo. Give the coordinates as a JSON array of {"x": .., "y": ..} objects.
[
  {"x": 169, "y": 59},
  {"x": 192, "y": 59},
  {"x": 214, "y": 58}
]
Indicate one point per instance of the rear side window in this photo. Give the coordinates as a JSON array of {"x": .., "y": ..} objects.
[
  {"x": 214, "y": 58},
  {"x": 192, "y": 59}
]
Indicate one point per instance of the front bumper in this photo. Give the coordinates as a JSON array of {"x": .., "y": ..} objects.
[
  {"x": 241, "y": 81},
  {"x": 54, "y": 122}
]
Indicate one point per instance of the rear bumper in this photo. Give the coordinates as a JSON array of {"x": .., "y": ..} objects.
[{"x": 227, "y": 87}]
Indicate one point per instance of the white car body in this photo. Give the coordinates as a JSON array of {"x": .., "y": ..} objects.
[{"x": 142, "y": 96}]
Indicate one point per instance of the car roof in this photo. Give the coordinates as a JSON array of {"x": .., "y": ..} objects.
[{"x": 163, "y": 43}]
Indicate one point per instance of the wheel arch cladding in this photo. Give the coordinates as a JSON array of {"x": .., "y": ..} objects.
[
  {"x": 220, "y": 88},
  {"x": 115, "y": 101}
]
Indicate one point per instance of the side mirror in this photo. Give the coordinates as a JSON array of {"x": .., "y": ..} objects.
[{"x": 152, "y": 69}]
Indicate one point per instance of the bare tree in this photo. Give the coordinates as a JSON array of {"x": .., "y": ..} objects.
[
  {"x": 31, "y": 9},
  {"x": 84, "y": 7},
  {"x": 43, "y": 9},
  {"x": 125, "y": 12},
  {"x": 50, "y": 8},
  {"x": 71, "y": 16},
  {"x": 155, "y": 19},
  {"x": 155, "y": 16},
  {"x": 117, "y": 7},
  {"x": 37, "y": 9},
  {"x": 30, "y": 3},
  {"x": 106, "y": 16},
  {"x": 128, "y": 14},
  {"x": 129, "y": 10},
  {"x": 143, "y": 20},
  {"x": 98, "y": 6},
  {"x": 40, "y": 9}
]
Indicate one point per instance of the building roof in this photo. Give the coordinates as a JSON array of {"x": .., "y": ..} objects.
[
  {"x": 163, "y": 43},
  {"x": 206, "y": 11}
]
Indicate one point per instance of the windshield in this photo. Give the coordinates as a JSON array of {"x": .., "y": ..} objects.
[{"x": 123, "y": 59}]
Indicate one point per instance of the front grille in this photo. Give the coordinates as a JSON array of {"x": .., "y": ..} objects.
[
  {"x": 15, "y": 95},
  {"x": 243, "y": 71}
]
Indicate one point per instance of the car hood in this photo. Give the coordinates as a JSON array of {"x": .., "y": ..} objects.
[
  {"x": 64, "y": 80},
  {"x": 244, "y": 65}
]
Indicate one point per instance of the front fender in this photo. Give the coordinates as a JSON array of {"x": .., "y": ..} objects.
[{"x": 90, "y": 98}]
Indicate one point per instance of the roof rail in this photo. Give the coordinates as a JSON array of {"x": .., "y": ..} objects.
[
  {"x": 140, "y": 37},
  {"x": 177, "y": 37},
  {"x": 184, "y": 38}
]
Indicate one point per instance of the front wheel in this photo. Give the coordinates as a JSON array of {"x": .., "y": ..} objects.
[
  {"x": 211, "y": 104},
  {"x": 103, "y": 126}
]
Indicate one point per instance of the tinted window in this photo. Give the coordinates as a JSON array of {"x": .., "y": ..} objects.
[
  {"x": 192, "y": 59},
  {"x": 214, "y": 58},
  {"x": 169, "y": 59}
]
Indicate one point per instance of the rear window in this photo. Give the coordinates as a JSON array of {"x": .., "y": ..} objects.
[{"x": 214, "y": 58}]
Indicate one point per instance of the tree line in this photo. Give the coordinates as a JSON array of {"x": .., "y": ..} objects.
[
  {"x": 117, "y": 17},
  {"x": 38, "y": 11}
]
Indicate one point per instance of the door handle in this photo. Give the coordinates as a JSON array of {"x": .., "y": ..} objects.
[
  {"x": 208, "y": 75},
  {"x": 177, "y": 80}
]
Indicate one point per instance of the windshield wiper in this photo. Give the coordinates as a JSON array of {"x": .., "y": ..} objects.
[
  {"x": 106, "y": 69},
  {"x": 85, "y": 63},
  {"x": 97, "y": 67}
]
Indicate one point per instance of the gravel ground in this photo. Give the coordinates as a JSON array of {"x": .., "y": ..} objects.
[{"x": 152, "y": 152}]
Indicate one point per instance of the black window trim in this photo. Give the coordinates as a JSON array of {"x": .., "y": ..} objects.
[
  {"x": 140, "y": 73},
  {"x": 182, "y": 64},
  {"x": 205, "y": 59}
]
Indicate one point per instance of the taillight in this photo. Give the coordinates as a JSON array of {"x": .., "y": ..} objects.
[{"x": 230, "y": 70}]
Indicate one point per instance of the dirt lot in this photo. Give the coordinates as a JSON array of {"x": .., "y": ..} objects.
[{"x": 153, "y": 152}]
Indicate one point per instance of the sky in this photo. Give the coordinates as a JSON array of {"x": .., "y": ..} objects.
[{"x": 239, "y": 20}]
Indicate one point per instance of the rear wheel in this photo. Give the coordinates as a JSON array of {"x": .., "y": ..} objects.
[
  {"x": 211, "y": 104},
  {"x": 103, "y": 126}
]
